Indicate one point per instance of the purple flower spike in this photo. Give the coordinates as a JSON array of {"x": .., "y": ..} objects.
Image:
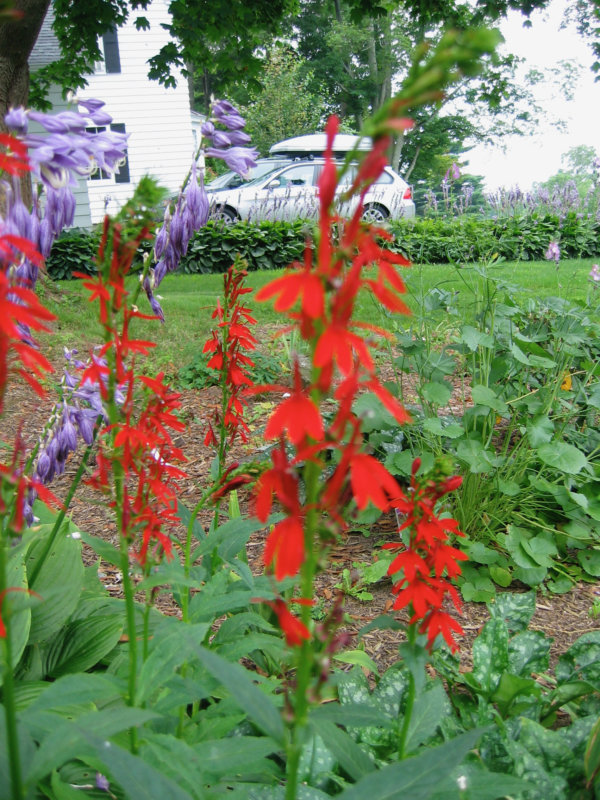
[
  {"x": 553, "y": 252},
  {"x": 208, "y": 129},
  {"x": 239, "y": 159},
  {"x": 196, "y": 202},
  {"x": 17, "y": 120},
  {"x": 102, "y": 782}
]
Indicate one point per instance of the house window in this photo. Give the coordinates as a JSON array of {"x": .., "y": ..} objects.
[
  {"x": 122, "y": 174},
  {"x": 108, "y": 44}
]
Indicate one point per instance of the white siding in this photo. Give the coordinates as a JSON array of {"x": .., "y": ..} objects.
[{"x": 157, "y": 119}]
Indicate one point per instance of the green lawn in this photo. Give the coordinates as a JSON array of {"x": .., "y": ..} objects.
[{"x": 188, "y": 301}]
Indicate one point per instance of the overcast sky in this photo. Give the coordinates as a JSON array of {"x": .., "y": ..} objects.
[{"x": 536, "y": 158}]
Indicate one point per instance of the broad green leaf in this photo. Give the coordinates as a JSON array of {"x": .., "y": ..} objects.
[
  {"x": 16, "y": 610},
  {"x": 541, "y": 548},
  {"x": 358, "y": 657},
  {"x": 316, "y": 761},
  {"x": 484, "y": 396},
  {"x": 500, "y": 575},
  {"x": 74, "y": 689},
  {"x": 59, "y": 584},
  {"x": 474, "y": 338},
  {"x": 515, "y": 608},
  {"x": 590, "y": 561},
  {"x": 414, "y": 778},
  {"x": 592, "y": 754},
  {"x": 71, "y": 739},
  {"x": 528, "y": 651},
  {"x": 437, "y": 393},
  {"x": 229, "y": 538},
  {"x": 435, "y": 425},
  {"x": 490, "y": 655},
  {"x": 349, "y": 755},
  {"x": 351, "y": 715},
  {"x": 236, "y": 755},
  {"x": 185, "y": 515},
  {"x": 540, "y": 430},
  {"x": 26, "y": 749},
  {"x": 256, "y": 703},
  {"x": 480, "y": 785},
  {"x": 515, "y": 541},
  {"x": 474, "y": 454},
  {"x": 478, "y": 552},
  {"x": 509, "y": 488},
  {"x": 479, "y": 589},
  {"x": 81, "y": 644},
  {"x": 430, "y": 707},
  {"x": 581, "y": 661},
  {"x": 512, "y": 688},
  {"x": 172, "y": 645},
  {"x": 107, "y": 551},
  {"x": 562, "y": 456}
]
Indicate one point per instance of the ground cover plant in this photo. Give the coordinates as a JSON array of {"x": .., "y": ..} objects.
[{"x": 105, "y": 695}]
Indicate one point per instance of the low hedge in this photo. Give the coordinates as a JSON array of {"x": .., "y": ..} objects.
[{"x": 274, "y": 245}]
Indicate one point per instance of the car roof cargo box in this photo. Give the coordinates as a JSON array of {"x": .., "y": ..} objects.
[{"x": 315, "y": 144}]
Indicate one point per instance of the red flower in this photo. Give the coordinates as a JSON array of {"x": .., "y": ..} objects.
[
  {"x": 285, "y": 547},
  {"x": 371, "y": 481},
  {"x": 294, "y": 630}
]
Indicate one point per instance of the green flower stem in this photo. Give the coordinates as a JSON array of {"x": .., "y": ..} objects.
[
  {"x": 410, "y": 699},
  {"x": 60, "y": 518},
  {"x": 305, "y": 659},
  {"x": 8, "y": 694}
]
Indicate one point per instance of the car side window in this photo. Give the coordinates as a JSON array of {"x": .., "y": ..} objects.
[
  {"x": 385, "y": 177},
  {"x": 300, "y": 175}
]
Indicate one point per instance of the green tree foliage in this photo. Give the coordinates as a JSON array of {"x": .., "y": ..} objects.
[
  {"x": 286, "y": 106},
  {"x": 579, "y": 169}
]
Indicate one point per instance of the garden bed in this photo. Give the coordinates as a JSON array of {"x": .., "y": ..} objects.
[{"x": 562, "y": 617}]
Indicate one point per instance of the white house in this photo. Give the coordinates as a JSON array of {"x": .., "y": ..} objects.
[{"x": 161, "y": 142}]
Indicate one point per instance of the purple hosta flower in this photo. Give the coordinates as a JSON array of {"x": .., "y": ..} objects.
[
  {"x": 102, "y": 782},
  {"x": 238, "y": 159},
  {"x": 595, "y": 274},
  {"x": 196, "y": 201},
  {"x": 17, "y": 121},
  {"x": 452, "y": 173},
  {"x": 553, "y": 252}
]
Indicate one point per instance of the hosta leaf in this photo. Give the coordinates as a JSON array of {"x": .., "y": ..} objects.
[
  {"x": 81, "y": 644},
  {"x": 59, "y": 583}
]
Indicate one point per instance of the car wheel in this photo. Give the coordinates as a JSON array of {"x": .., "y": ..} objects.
[
  {"x": 224, "y": 214},
  {"x": 374, "y": 212}
]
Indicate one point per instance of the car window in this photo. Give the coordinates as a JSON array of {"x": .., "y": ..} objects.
[
  {"x": 299, "y": 175},
  {"x": 385, "y": 177}
]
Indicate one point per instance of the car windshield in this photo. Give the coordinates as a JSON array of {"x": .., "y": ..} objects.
[{"x": 264, "y": 177}]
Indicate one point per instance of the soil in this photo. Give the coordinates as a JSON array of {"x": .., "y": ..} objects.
[{"x": 562, "y": 617}]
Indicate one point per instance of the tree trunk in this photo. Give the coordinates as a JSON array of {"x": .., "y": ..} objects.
[{"x": 17, "y": 39}]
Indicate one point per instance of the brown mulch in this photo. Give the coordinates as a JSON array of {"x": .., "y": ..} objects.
[{"x": 563, "y": 617}]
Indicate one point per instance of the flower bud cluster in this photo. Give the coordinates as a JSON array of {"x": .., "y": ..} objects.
[{"x": 229, "y": 144}]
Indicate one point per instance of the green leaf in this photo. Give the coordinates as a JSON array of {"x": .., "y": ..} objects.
[
  {"x": 107, "y": 551},
  {"x": 515, "y": 609},
  {"x": 437, "y": 392},
  {"x": 236, "y": 755},
  {"x": 581, "y": 661},
  {"x": 475, "y": 455},
  {"x": 562, "y": 456},
  {"x": 16, "y": 610},
  {"x": 500, "y": 575},
  {"x": 528, "y": 651},
  {"x": 512, "y": 688},
  {"x": 358, "y": 657},
  {"x": 414, "y": 778},
  {"x": 478, "y": 552},
  {"x": 73, "y": 690},
  {"x": 540, "y": 430},
  {"x": 490, "y": 655},
  {"x": 480, "y": 785},
  {"x": 73, "y": 739},
  {"x": 172, "y": 645},
  {"x": 59, "y": 583},
  {"x": 474, "y": 338},
  {"x": 590, "y": 561},
  {"x": 436, "y": 426},
  {"x": 351, "y": 715},
  {"x": 349, "y": 755},
  {"x": 430, "y": 707},
  {"x": 81, "y": 644},
  {"x": 541, "y": 548},
  {"x": 256, "y": 703},
  {"x": 484, "y": 396}
]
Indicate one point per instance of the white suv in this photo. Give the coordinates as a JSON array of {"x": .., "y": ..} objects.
[{"x": 291, "y": 192}]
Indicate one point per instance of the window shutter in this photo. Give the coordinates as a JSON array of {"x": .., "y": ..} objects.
[
  {"x": 122, "y": 174},
  {"x": 111, "y": 51}
]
